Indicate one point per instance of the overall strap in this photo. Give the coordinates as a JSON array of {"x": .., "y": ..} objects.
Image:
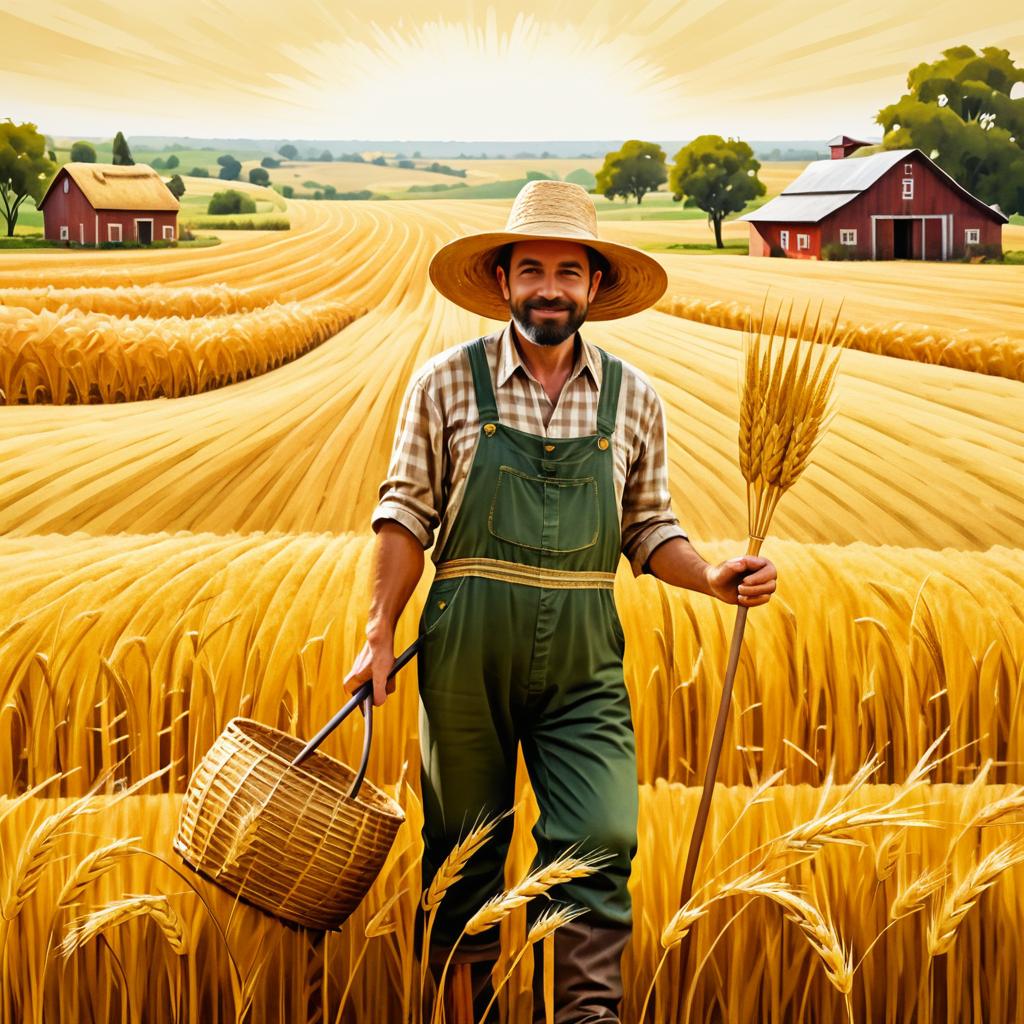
[
  {"x": 608, "y": 403},
  {"x": 485, "y": 402}
]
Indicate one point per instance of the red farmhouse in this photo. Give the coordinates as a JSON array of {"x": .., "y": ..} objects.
[
  {"x": 92, "y": 203},
  {"x": 894, "y": 204}
]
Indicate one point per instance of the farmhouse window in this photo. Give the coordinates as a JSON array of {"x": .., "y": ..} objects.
[
  {"x": 169, "y": 231},
  {"x": 972, "y": 236},
  {"x": 803, "y": 241},
  {"x": 908, "y": 188},
  {"x": 63, "y": 231},
  {"x": 908, "y": 168},
  {"x": 784, "y": 239},
  {"x": 111, "y": 229},
  {"x": 66, "y": 184},
  {"x": 848, "y": 236}
]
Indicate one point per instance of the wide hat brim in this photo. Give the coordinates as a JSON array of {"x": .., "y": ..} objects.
[{"x": 463, "y": 271}]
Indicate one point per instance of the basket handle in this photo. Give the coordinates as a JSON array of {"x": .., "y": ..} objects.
[{"x": 364, "y": 696}]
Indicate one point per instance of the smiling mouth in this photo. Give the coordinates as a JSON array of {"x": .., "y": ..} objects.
[{"x": 549, "y": 312}]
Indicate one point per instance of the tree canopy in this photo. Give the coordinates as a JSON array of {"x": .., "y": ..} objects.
[
  {"x": 176, "y": 186},
  {"x": 230, "y": 168},
  {"x": 959, "y": 112},
  {"x": 716, "y": 175},
  {"x": 122, "y": 155},
  {"x": 634, "y": 170},
  {"x": 288, "y": 151},
  {"x": 83, "y": 153},
  {"x": 25, "y": 169}
]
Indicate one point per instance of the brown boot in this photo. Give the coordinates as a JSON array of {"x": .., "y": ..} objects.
[
  {"x": 588, "y": 978},
  {"x": 468, "y": 986}
]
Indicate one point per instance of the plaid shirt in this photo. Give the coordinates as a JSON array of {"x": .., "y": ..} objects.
[{"x": 438, "y": 429}]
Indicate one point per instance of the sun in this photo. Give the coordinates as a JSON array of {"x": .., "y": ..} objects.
[{"x": 452, "y": 79}]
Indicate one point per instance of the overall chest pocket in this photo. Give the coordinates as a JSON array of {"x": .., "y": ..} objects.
[{"x": 544, "y": 513}]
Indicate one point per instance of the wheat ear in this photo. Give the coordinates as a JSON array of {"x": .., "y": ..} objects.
[
  {"x": 119, "y": 911},
  {"x": 983, "y": 874},
  {"x": 562, "y": 869},
  {"x": 93, "y": 866}
]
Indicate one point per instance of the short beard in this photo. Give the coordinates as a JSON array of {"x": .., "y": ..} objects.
[{"x": 547, "y": 333}]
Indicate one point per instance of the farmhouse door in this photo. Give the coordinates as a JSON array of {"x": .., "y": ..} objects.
[
  {"x": 902, "y": 237},
  {"x": 145, "y": 232}
]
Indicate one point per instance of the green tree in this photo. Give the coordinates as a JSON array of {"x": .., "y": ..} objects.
[
  {"x": 379, "y": 161},
  {"x": 259, "y": 176},
  {"x": 269, "y": 161},
  {"x": 176, "y": 186},
  {"x": 230, "y": 168},
  {"x": 634, "y": 170},
  {"x": 287, "y": 191},
  {"x": 231, "y": 201},
  {"x": 25, "y": 169},
  {"x": 122, "y": 155},
  {"x": 83, "y": 153},
  {"x": 157, "y": 163},
  {"x": 959, "y": 112},
  {"x": 717, "y": 176},
  {"x": 326, "y": 156},
  {"x": 288, "y": 151},
  {"x": 581, "y": 176},
  {"x": 199, "y": 172},
  {"x": 171, "y": 162}
]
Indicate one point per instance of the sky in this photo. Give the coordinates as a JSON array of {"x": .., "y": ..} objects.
[{"x": 317, "y": 69}]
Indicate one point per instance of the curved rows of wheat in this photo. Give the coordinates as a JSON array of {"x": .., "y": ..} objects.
[{"x": 167, "y": 564}]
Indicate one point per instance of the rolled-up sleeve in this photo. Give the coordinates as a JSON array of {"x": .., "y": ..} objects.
[
  {"x": 647, "y": 517},
  {"x": 411, "y": 492}
]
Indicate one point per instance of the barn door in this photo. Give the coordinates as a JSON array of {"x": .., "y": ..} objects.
[{"x": 145, "y": 232}]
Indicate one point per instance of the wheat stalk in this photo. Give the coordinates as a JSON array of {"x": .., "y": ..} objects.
[
  {"x": 783, "y": 408},
  {"x": 445, "y": 877},
  {"x": 450, "y": 870},
  {"x": 37, "y": 854}
]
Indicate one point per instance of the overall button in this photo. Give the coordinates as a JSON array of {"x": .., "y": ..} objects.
[
  {"x": 549, "y": 447},
  {"x": 602, "y": 443},
  {"x": 489, "y": 429}
]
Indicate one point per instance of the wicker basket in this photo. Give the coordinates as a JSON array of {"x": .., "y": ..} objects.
[{"x": 288, "y": 838}]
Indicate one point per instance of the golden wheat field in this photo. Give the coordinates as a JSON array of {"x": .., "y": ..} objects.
[{"x": 170, "y": 562}]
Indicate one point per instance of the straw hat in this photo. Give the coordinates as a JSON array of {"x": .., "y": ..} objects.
[{"x": 463, "y": 270}]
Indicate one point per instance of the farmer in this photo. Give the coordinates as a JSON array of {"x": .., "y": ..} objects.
[{"x": 538, "y": 458}]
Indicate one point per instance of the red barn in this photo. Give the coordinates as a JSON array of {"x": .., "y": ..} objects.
[
  {"x": 92, "y": 203},
  {"x": 894, "y": 204}
]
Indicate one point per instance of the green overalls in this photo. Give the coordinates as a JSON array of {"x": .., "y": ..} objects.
[{"x": 522, "y": 643}]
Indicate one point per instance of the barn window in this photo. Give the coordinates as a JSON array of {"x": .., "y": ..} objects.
[
  {"x": 63, "y": 231},
  {"x": 908, "y": 188},
  {"x": 848, "y": 236},
  {"x": 803, "y": 241},
  {"x": 784, "y": 239},
  {"x": 169, "y": 231},
  {"x": 113, "y": 232},
  {"x": 972, "y": 236},
  {"x": 66, "y": 184},
  {"x": 908, "y": 168}
]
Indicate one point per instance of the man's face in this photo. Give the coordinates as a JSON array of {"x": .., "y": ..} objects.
[{"x": 548, "y": 289}]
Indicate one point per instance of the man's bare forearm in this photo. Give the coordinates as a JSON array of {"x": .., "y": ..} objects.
[
  {"x": 676, "y": 562},
  {"x": 397, "y": 567}
]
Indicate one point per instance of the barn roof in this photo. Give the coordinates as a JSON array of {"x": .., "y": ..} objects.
[
  {"x": 826, "y": 185},
  {"x": 119, "y": 187}
]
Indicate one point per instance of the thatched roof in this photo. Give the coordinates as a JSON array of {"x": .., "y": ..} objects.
[{"x": 117, "y": 187}]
